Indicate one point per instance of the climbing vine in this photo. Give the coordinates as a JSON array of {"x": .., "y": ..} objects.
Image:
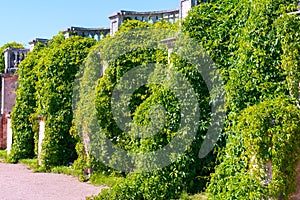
[
  {"x": 45, "y": 89},
  {"x": 189, "y": 172},
  {"x": 24, "y": 118},
  {"x": 256, "y": 47},
  {"x": 56, "y": 73},
  {"x": 254, "y": 44},
  {"x": 261, "y": 156}
]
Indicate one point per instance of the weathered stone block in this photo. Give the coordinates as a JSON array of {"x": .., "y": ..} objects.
[
  {"x": 9, "y": 134},
  {"x": 8, "y": 92}
]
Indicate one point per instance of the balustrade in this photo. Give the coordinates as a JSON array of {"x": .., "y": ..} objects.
[
  {"x": 13, "y": 57},
  {"x": 95, "y": 33}
]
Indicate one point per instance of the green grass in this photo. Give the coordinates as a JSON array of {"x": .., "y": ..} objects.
[
  {"x": 66, "y": 170},
  {"x": 31, "y": 164},
  {"x": 108, "y": 180},
  {"x": 3, "y": 155},
  {"x": 95, "y": 179}
]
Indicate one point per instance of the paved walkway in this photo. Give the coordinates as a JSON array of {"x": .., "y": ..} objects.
[{"x": 19, "y": 183}]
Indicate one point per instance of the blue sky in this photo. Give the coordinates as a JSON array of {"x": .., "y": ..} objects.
[{"x": 22, "y": 21}]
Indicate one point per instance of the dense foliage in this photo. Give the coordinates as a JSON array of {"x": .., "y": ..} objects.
[
  {"x": 25, "y": 121},
  {"x": 188, "y": 172},
  {"x": 87, "y": 79},
  {"x": 45, "y": 89},
  {"x": 261, "y": 155},
  {"x": 54, "y": 96},
  {"x": 256, "y": 46}
]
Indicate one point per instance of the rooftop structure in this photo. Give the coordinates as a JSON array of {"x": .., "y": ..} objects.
[
  {"x": 35, "y": 41},
  {"x": 119, "y": 17},
  {"x": 13, "y": 56},
  {"x": 96, "y": 33}
]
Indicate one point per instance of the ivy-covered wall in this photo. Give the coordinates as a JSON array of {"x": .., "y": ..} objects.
[
  {"x": 24, "y": 118},
  {"x": 189, "y": 173},
  {"x": 256, "y": 46},
  {"x": 45, "y": 89}
]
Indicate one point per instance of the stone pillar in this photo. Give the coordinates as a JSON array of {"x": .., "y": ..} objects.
[
  {"x": 104, "y": 65},
  {"x": 99, "y": 37},
  {"x": 86, "y": 142},
  {"x": 41, "y": 138},
  {"x": 269, "y": 171},
  {"x": 36, "y": 40},
  {"x": 16, "y": 55},
  {"x": 9, "y": 134},
  {"x": 114, "y": 27},
  {"x": 115, "y": 21},
  {"x": 170, "y": 43},
  {"x": 185, "y": 6},
  {"x": 7, "y": 59}
]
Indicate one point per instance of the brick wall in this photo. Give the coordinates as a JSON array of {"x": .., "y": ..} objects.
[
  {"x": 3, "y": 136},
  {"x": 8, "y": 92}
]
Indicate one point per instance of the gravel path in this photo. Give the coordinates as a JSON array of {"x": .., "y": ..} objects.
[{"x": 19, "y": 183}]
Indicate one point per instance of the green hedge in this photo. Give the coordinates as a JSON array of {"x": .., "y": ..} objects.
[
  {"x": 24, "y": 118},
  {"x": 265, "y": 133},
  {"x": 189, "y": 173},
  {"x": 45, "y": 89},
  {"x": 255, "y": 46}
]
